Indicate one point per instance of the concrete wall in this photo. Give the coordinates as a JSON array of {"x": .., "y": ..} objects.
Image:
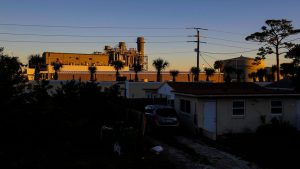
[
  {"x": 143, "y": 76},
  {"x": 76, "y": 58}
]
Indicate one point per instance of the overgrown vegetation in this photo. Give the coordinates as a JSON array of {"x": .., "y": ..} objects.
[
  {"x": 274, "y": 145},
  {"x": 74, "y": 125}
]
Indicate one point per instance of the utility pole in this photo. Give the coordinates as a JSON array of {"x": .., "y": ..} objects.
[{"x": 197, "y": 49}]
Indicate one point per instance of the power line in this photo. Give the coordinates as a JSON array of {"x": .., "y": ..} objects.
[
  {"x": 86, "y": 27},
  {"x": 113, "y": 27},
  {"x": 73, "y": 42},
  {"x": 89, "y": 36},
  {"x": 219, "y": 44},
  {"x": 32, "y": 41},
  {"x": 206, "y": 61},
  {"x": 228, "y": 32},
  {"x": 210, "y": 56},
  {"x": 229, "y": 53},
  {"x": 117, "y": 36},
  {"x": 228, "y": 40},
  {"x": 198, "y": 48}
]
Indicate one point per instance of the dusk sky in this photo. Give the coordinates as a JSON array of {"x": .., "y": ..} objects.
[{"x": 228, "y": 23}]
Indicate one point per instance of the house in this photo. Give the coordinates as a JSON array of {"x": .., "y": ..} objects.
[
  {"x": 219, "y": 108},
  {"x": 137, "y": 89},
  {"x": 166, "y": 91}
]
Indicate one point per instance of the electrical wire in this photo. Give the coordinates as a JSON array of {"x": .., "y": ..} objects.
[
  {"x": 88, "y": 36},
  {"x": 86, "y": 27}
]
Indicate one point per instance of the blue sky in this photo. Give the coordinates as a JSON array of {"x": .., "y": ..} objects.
[{"x": 229, "y": 20}]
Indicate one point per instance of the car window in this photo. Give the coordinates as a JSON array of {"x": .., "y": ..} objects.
[
  {"x": 149, "y": 111},
  {"x": 166, "y": 112}
]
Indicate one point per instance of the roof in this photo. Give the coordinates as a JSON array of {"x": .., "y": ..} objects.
[
  {"x": 285, "y": 83},
  {"x": 225, "y": 89},
  {"x": 239, "y": 58}
]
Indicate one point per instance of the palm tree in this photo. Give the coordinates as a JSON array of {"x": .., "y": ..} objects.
[
  {"x": 238, "y": 73},
  {"x": 209, "y": 72},
  {"x": 56, "y": 66},
  {"x": 92, "y": 70},
  {"x": 220, "y": 66},
  {"x": 174, "y": 74},
  {"x": 288, "y": 69},
  {"x": 253, "y": 76},
  {"x": 195, "y": 71},
  {"x": 136, "y": 68},
  {"x": 35, "y": 61},
  {"x": 228, "y": 71},
  {"x": 261, "y": 74},
  {"x": 118, "y": 65},
  {"x": 159, "y": 65}
]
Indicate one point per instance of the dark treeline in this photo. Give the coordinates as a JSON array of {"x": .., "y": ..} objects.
[{"x": 40, "y": 129}]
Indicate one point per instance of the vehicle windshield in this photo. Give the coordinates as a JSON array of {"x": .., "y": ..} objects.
[{"x": 166, "y": 112}]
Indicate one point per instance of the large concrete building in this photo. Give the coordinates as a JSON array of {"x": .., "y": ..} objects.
[
  {"x": 245, "y": 64},
  {"x": 97, "y": 59},
  {"x": 76, "y": 66},
  {"x": 105, "y": 58}
]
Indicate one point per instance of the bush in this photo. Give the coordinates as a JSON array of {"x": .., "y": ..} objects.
[{"x": 277, "y": 128}]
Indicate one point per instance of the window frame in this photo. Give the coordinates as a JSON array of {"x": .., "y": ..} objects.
[
  {"x": 238, "y": 108},
  {"x": 185, "y": 106},
  {"x": 276, "y": 107}
]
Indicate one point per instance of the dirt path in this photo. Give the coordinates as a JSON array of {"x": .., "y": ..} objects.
[{"x": 192, "y": 154}]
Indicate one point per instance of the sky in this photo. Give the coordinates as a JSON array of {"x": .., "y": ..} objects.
[{"x": 163, "y": 23}]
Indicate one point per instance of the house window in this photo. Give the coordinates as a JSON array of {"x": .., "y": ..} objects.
[
  {"x": 276, "y": 107},
  {"x": 238, "y": 108},
  {"x": 185, "y": 106}
]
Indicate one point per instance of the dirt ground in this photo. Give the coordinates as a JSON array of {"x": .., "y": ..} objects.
[{"x": 188, "y": 153}]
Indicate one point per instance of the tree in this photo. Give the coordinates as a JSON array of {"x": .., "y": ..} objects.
[
  {"x": 273, "y": 71},
  {"x": 56, "y": 66},
  {"x": 35, "y": 61},
  {"x": 238, "y": 73},
  {"x": 118, "y": 65},
  {"x": 273, "y": 37},
  {"x": 136, "y": 68},
  {"x": 195, "y": 71},
  {"x": 253, "y": 76},
  {"x": 288, "y": 69},
  {"x": 174, "y": 74},
  {"x": 219, "y": 65},
  {"x": 10, "y": 76},
  {"x": 228, "y": 71},
  {"x": 294, "y": 54},
  {"x": 261, "y": 73},
  {"x": 92, "y": 70},
  {"x": 159, "y": 65},
  {"x": 209, "y": 72}
]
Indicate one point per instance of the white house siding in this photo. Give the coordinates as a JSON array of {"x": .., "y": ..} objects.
[
  {"x": 254, "y": 109},
  {"x": 165, "y": 91},
  {"x": 188, "y": 120},
  {"x": 226, "y": 122},
  {"x": 136, "y": 89}
]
